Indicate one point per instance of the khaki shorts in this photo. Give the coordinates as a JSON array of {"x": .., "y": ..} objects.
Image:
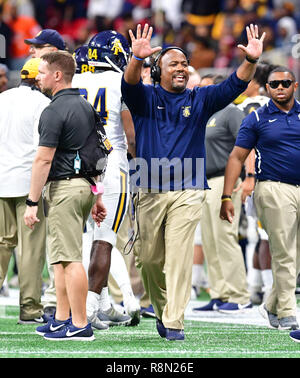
[{"x": 68, "y": 204}]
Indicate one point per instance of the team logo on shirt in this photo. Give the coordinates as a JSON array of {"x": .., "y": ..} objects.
[
  {"x": 117, "y": 47},
  {"x": 212, "y": 123},
  {"x": 186, "y": 111}
]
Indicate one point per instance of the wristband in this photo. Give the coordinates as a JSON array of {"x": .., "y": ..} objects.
[
  {"x": 135, "y": 57},
  {"x": 226, "y": 196},
  {"x": 250, "y": 175},
  {"x": 31, "y": 203},
  {"x": 250, "y": 60},
  {"x": 226, "y": 199}
]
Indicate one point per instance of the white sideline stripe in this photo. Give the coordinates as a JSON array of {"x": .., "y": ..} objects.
[
  {"x": 159, "y": 352},
  {"x": 141, "y": 333},
  {"x": 249, "y": 317},
  {"x": 96, "y": 333}
]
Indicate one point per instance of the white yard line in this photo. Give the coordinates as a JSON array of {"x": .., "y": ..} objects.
[
  {"x": 249, "y": 317},
  {"x": 147, "y": 353}
]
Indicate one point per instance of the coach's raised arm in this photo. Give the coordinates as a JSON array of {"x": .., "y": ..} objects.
[{"x": 141, "y": 49}]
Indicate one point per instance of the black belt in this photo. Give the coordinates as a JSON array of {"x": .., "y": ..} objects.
[
  {"x": 88, "y": 178},
  {"x": 216, "y": 174}
]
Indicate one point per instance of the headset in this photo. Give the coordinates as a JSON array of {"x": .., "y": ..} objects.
[{"x": 155, "y": 71}]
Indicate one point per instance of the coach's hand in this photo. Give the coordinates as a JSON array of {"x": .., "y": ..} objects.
[
  {"x": 227, "y": 211},
  {"x": 141, "y": 47},
  {"x": 30, "y": 216},
  {"x": 255, "y": 44},
  {"x": 99, "y": 211}
]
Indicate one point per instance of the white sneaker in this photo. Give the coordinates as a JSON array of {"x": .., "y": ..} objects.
[
  {"x": 256, "y": 295},
  {"x": 271, "y": 318},
  {"x": 133, "y": 309},
  {"x": 112, "y": 317},
  {"x": 96, "y": 322}
]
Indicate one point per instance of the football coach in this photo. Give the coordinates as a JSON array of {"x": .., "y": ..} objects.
[{"x": 170, "y": 122}]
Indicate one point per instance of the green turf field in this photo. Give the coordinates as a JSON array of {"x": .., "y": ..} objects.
[
  {"x": 210, "y": 335},
  {"x": 202, "y": 340}
]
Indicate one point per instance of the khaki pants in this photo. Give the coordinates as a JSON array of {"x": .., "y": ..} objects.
[
  {"x": 123, "y": 236},
  {"x": 30, "y": 253},
  {"x": 69, "y": 203},
  {"x": 50, "y": 292},
  {"x": 224, "y": 258},
  {"x": 278, "y": 208},
  {"x": 166, "y": 223}
]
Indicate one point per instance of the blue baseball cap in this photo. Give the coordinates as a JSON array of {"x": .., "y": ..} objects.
[{"x": 47, "y": 36}]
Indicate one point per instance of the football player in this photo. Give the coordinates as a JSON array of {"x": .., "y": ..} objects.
[
  {"x": 99, "y": 82},
  {"x": 81, "y": 58}
]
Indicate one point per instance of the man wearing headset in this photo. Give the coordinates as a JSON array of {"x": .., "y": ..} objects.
[{"x": 170, "y": 125}]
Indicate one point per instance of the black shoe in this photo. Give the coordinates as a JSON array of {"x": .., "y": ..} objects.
[
  {"x": 174, "y": 334},
  {"x": 213, "y": 305}
]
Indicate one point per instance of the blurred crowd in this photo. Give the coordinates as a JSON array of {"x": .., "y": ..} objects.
[{"x": 209, "y": 30}]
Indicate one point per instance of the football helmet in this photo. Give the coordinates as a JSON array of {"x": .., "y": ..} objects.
[
  {"x": 81, "y": 58},
  {"x": 108, "y": 49}
]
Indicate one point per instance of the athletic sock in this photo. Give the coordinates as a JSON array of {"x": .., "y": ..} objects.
[
  {"x": 92, "y": 303},
  {"x": 104, "y": 300},
  {"x": 197, "y": 272},
  {"x": 118, "y": 270},
  {"x": 267, "y": 278},
  {"x": 254, "y": 277}
]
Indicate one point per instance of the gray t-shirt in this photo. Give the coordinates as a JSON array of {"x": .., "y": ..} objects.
[
  {"x": 221, "y": 132},
  {"x": 65, "y": 124}
]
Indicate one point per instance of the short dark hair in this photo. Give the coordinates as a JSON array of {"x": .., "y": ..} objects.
[
  {"x": 63, "y": 61},
  {"x": 216, "y": 79},
  {"x": 282, "y": 69},
  {"x": 208, "y": 76},
  {"x": 262, "y": 73}
]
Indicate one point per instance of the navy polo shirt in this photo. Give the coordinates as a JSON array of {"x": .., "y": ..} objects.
[
  {"x": 170, "y": 131},
  {"x": 275, "y": 135}
]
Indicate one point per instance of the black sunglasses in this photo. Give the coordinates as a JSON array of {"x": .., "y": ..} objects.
[{"x": 285, "y": 83}]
